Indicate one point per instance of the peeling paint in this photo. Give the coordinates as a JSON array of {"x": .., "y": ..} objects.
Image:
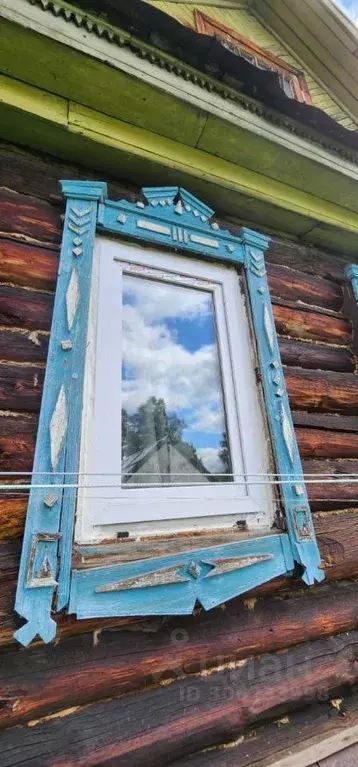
[
  {"x": 250, "y": 603},
  {"x": 34, "y": 338},
  {"x": 284, "y": 720},
  {"x": 58, "y": 715},
  {"x": 336, "y": 703}
]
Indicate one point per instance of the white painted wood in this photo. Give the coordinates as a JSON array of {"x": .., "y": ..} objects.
[
  {"x": 153, "y": 508},
  {"x": 72, "y": 298},
  {"x": 58, "y": 427}
]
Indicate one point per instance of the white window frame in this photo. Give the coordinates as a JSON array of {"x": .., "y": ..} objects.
[{"x": 106, "y": 511}]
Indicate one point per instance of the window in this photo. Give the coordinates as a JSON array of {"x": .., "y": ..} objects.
[
  {"x": 177, "y": 431},
  {"x": 292, "y": 81},
  {"x": 151, "y": 427}
]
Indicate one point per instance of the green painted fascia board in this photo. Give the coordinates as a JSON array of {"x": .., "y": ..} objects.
[
  {"x": 109, "y": 145},
  {"x": 71, "y": 74},
  {"x": 198, "y": 163},
  {"x": 29, "y": 99},
  {"x": 76, "y": 76},
  {"x": 278, "y": 162}
]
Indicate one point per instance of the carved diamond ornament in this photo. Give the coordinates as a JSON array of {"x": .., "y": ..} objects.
[
  {"x": 287, "y": 433},
  {"x": 72, "y": 298},
  {"x": 58, "y": 427},
  {"x": 269, "y": 329}
]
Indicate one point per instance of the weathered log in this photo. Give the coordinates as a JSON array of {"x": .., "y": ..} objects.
[
  {"x": 12, "y": 516},
  {"x": 28, "y": 265},
  {"x": 9, "y": 565},
  {"x": 25, "y": 346},
  {"x": 38, "y": 174},
  {"x": 21, "y": 387},
  {"x": 337, "y": 535},
  {"x": 312, "y": 325},
  {"x": 337, "y": 467},
  {"x": 326, "y": 498},
  {"x": 30, "y": 217},
  {"x": 321, "y": 443},
  {"x": 298, "y": 287},
  {"x": 327, "y": 391},
  {"x": 193, "y": 713},
  {"x": 17, "y": 442},
  {"x": 25, "y": 309},
  {"x": 16, "y": 453},
  {"x": 117, "y": 664},
  {"x": 266, "y": 745},
  {"x": 309, "y": 259},
  {"x": 330, "y": 421},
  {"x": 315, "y": 356}
]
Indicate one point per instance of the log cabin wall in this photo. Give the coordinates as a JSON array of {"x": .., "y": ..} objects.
[{"x": 245, "y": 680}]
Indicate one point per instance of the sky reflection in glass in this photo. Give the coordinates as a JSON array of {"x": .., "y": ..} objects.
[{"x": 173, "y": 419}]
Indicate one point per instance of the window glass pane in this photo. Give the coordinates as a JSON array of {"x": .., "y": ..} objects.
[
  {"x": 288, "y": 86},
  {"x": 173, "y": 419}
]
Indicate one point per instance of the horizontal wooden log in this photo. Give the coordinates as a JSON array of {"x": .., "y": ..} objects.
[
  {"x": 190, "y": 714},
  {"x": 9, "y": 565},
  {"x": 330, "y": 421},
  {"x": 337, "y": 467},
  {"x": 25, "y": 346},
  {"x": 315, "y": 356},
  {"x": 326, "y": 497},
  {"x": 326, "y": 391},
  {"x": 38, "y": 174},
  {"x": 28, "y": 265},
  {"x": 17, "y": 443},
  {"x": 21, "y": 387},
  {"x": 25, "y": 309},
  {"x": 288, "y": 736},
  {"x": 322, "y": 443},
  {"x": 12, "y": 516},
  {"x": 16, "y": 453},
  {"x": 336, "y": 533},
  {"x": 310, "y": 260},
  {"x": 298, "y": 287},
  {"x": 30, "y": 217},
  {"x": 312, "y": 325},
  {"x": 40, "y": 681}
]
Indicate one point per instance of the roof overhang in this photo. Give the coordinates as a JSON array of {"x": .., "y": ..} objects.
[
  {"x": 85, "y": 96},
  {"x": 324, "y": 38}
]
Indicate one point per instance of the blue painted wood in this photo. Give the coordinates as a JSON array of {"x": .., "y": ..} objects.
[
  {"x": 59, "y": 419},
  {"x": 352, "y": 273},
  {"x": 197, "y": 581},
  {"x": 175, "y": 218},
  {"x": 82, "y": 235},
  {"x": 288, "y": 462}
]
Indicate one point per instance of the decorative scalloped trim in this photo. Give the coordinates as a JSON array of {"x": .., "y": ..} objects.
[{"x": 122, "y": 39}]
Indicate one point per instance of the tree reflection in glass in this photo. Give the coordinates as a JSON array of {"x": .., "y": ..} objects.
[{"x": 173, "y": 418}]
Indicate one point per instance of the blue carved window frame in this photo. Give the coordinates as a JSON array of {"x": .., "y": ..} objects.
[{"x": 170, "y": 216}]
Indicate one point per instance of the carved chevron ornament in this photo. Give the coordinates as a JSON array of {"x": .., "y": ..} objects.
[{"x": 196, "y": 570}]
